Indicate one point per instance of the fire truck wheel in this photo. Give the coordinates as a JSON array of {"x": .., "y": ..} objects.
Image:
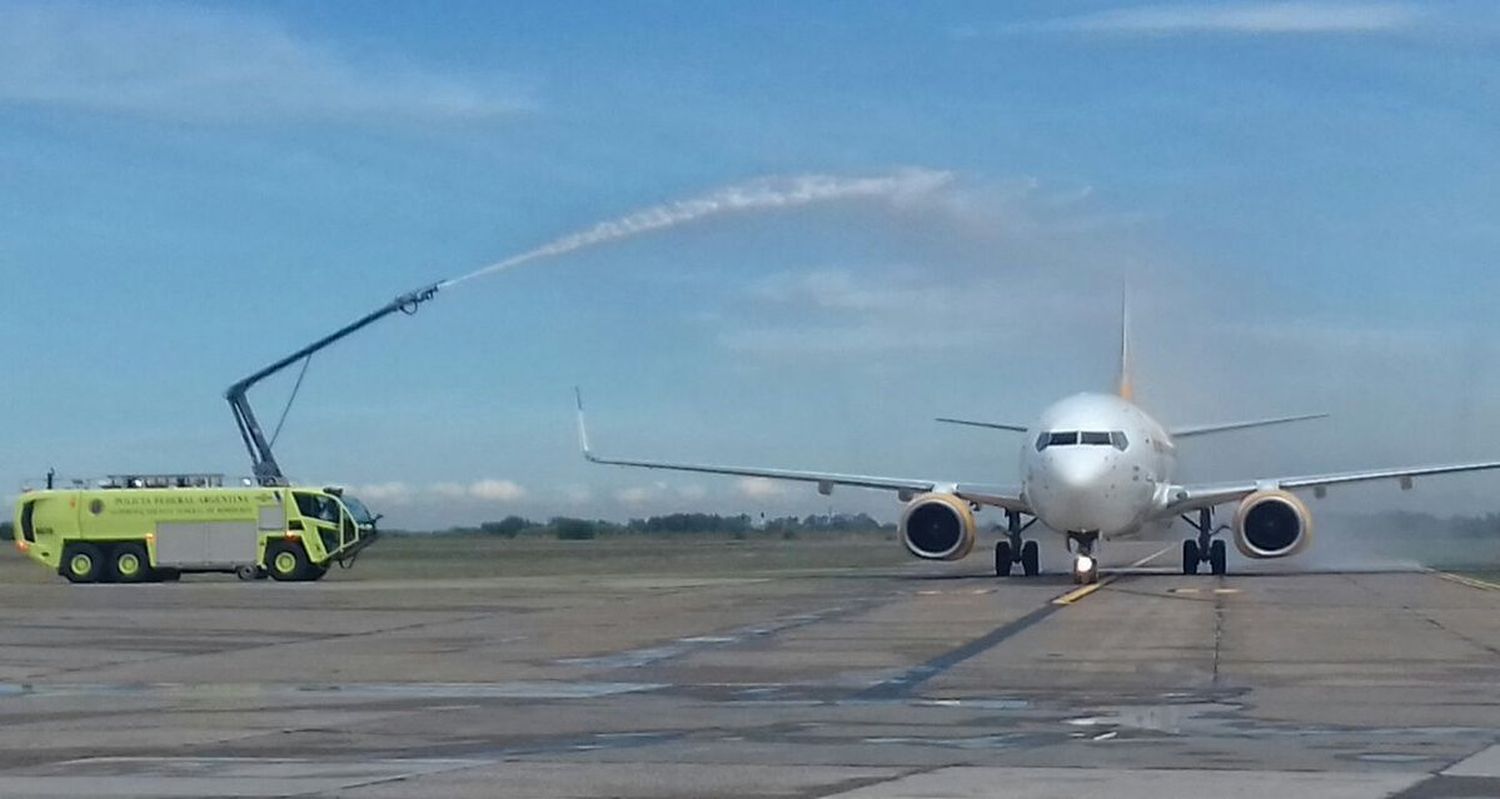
[
  {"x": 286, "y": 561},
  {"x": 128, "y": 563},
  {"x": 82, "y": 563}
]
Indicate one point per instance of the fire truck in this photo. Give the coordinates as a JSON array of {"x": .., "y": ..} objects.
[
  {"x": 144, "y": 528},
  {"x": 141, "y": 527}
]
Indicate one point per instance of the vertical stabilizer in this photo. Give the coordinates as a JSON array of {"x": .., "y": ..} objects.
[{"x": 1126, "y": 382}]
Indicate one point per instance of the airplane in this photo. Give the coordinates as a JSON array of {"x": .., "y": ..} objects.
[{"x": 1094, "y": 467}]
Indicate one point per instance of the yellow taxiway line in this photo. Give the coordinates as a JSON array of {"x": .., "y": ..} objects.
[
  {"x": 1079, "y": 593},
  {"x": 1083, "y": 591},
  {"x": 1472, "y": 582}
]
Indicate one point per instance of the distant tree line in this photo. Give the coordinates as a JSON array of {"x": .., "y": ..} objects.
[
  {"x": 831, "y": 523},
  {"x": 567, "y": 528},
  {"x": 740, "y": 526},
  {"x": 1484, "y": 526},
  {"x": 1394, "y": 523}
]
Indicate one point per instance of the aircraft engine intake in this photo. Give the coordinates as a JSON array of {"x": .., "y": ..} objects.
[
  {"x": 938, "y": 527},
  {"x": 1272, "y": 524}
]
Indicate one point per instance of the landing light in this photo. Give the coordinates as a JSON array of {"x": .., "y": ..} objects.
[{"x": 1084, "y": 564}]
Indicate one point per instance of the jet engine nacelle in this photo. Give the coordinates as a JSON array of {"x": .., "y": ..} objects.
[
  {"x": 938, "y": 527},
  {"x": 1272, "y": 524}
]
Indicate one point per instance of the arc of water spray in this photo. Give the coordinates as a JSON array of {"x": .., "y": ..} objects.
[{"x": 762, "y": 194}]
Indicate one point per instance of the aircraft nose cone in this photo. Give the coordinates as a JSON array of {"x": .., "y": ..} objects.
[
  {"x": 1070, "y": 492},
  {"x": 1077, "y": 474}
]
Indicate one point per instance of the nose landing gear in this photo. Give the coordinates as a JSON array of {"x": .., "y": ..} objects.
[
  {"x": 1085, "y": 566},
  {"x": 1205, "y": 548},
  {"x": 1015, "y": 550}
]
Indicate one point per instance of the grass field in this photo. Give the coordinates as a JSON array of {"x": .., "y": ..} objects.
[
  {"x": 487, "y": 556},
  {"x": 471, "y": 556},
  {"x": 718, "y": 555}
]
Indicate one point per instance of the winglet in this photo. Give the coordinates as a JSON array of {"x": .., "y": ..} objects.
[
  {"x": 1127, "y": 383},
  {"x": 583, "y": 430}
]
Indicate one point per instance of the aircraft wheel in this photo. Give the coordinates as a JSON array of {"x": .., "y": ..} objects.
[
  {"x": 1190, "y": 557},
  {"x": 1216, "y": 557},
  {"x": 1029, "y": 559},
  {"x": 1002, "y": 559}
]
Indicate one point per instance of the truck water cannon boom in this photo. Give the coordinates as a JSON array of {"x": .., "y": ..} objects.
[
  {"x": 267, "y": 471},
  {"x": 134, "y": 528}
]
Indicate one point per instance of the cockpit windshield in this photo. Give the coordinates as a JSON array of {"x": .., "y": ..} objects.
[
  {"x": 1057, "y": 440},
  {"x": 1087, "y": 438},
  {"x": 357, "y": 510}
]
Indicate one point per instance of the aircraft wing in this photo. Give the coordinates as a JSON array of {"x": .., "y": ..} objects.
[
  {"x": 996, "y": 496},
  {"x": 1008, "y": 498},
  {"x": 1204, "y": 429},
  {"x": 1186, "y": 498},
  {"x": 1014, "y": 428}
]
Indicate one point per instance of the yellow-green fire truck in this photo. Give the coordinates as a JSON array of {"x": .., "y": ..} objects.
[
  {"x": 135, "y": 528},
  {"x": 139, "y": 528}
]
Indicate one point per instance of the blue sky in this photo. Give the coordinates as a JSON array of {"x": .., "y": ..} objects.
[{"x": 1301, "y": 195}]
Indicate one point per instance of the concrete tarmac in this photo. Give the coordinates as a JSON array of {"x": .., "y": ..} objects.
[{"x": 922, "y": 681}]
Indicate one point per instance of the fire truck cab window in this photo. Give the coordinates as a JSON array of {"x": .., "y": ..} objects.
[{"x": 316, "y": 506}]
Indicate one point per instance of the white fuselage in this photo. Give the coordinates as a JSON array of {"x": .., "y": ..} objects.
[{"x": 1096, "y": 463}]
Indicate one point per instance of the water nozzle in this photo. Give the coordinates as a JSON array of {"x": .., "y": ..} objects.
[{"x": 408, "y": 302}]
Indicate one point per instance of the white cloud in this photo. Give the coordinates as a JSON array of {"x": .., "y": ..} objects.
[
  {"x": 772, "y": 342},
  {"x": 877, "y": 311},
  {"x": 577, "y": 495},
  {"x": 496, "y": 491},
  {"x": 867, "y": 292},
  {"x": 658, "y": 492},
  {"x": 636, "y": 496},
  {"x": 486, "y": 490},
  {"x": 391, "y": 493},
  {"x": 760, "y": 488},
  {"x": 211, "y": 65},
  {"x": 834, "y": 289},
  {"x": 1003, "y": 254},
  {"x": 1253, "y": 18}
]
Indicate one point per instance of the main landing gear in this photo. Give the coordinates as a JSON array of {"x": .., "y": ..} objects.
[
  {"x": 1205, "y": 548},
  {"x": 1085, "y": 565},
  {"x": 1014, "y": 549}
]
